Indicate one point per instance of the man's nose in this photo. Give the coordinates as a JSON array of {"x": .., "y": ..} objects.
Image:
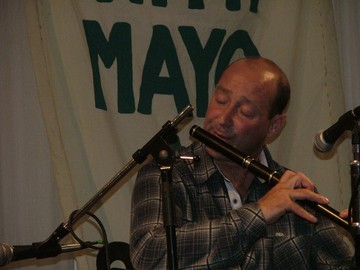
[{"x": 226, "y": 118}]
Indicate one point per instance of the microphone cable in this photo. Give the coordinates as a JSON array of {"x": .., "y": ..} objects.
[{"x": 87, "y": 244}]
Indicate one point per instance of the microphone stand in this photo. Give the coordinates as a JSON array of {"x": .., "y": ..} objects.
[
  {"x": 164, "y": 156},
  {"x": 161, "y": 152},
  {"x": 354, "y": 208}
]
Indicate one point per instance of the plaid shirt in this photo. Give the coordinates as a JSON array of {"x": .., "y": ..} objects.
[{"x": 212, "y": 235}]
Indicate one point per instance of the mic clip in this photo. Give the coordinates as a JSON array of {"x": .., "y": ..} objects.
[{"x": 193, "y": 157}]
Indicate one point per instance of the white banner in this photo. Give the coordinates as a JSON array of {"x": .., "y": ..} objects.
[{"x": 111, "y": 73}]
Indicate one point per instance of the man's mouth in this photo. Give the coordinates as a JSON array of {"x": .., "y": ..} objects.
[{"x": 221, "y": 136}]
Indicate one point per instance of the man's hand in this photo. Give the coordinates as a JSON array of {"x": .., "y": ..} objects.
[
  {"x": 344, "y": 213},
  {"x": 282, "y": 197}
]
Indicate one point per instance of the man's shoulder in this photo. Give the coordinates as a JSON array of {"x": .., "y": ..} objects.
[{"x": 273, "y": 164}]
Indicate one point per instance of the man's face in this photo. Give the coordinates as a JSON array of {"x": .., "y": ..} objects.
[{"x": 238, "y": 112}]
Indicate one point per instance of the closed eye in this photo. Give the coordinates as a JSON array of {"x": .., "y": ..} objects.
[
  {"x": 221, "y": 101},
  {"x": 221, "y": 97},
  {"x": 248, "y": 111},
  {"x": 248, "y": 114}
]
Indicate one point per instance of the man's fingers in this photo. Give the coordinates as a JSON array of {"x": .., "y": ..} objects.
[
  {"x": 296, "y": 180},
  {"x": 301, "y": 212},
  {"x": 305, "y": 194},
  {"x": 283, "y": 197},
  {"x": 344, "y": 213}
]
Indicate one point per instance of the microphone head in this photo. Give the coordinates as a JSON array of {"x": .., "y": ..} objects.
[
  {"x": 6, "y": 254},
  {"x": 321, "y": 144}
]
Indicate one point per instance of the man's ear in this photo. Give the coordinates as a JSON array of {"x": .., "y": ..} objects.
[{"x": 277, "y": 123}]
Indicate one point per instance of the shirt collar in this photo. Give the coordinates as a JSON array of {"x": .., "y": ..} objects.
[
  {"x": 262, "y": 159},
  {"x": 202, "y": 173}
]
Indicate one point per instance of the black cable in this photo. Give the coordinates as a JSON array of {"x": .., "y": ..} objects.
[{"x": 86, "y": 244}]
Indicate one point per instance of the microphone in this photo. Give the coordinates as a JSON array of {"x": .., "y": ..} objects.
[
  {"x": 325, "y": 140},
  {"x": 6, "y": 254},
  {"x": 10, "y": 253}
]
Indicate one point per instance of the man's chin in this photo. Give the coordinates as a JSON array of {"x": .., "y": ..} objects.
[{"x": 214, "y": 154}]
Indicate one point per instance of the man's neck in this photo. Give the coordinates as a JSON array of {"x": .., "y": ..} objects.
[{"x": 240, "y": 177}]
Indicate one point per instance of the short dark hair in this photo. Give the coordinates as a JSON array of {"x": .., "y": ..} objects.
[
  {"x": 282, "y": 85},
  {"x": 280, "y": 82},
  {"x": 282, "y": 96}
]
